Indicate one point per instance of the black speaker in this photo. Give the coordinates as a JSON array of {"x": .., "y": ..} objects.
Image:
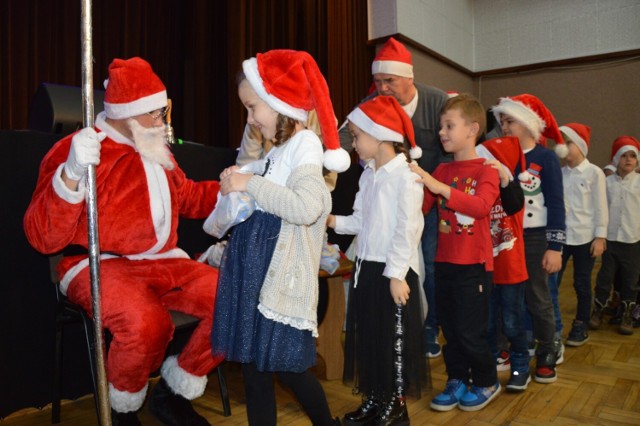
[{"x": 56, "y": 108}]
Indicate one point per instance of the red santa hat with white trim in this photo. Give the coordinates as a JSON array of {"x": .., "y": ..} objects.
[
  {"x": 393, "y": 58},
  {"x": 132, "y": 89},
  {"x": 621, "y": 145},
  {"x": 507, "y": 151},
  {"x": 577, "y": 133},
  {"x": 529, "y": 111},
  {"x": 291, "y": 83},
  {"x": 383, "y": 118}
]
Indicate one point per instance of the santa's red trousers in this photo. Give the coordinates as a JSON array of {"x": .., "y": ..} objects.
[{"x": 136, "y": 299}]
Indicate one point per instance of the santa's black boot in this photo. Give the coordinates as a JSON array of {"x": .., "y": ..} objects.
[
  {"x": 124, "y": 419},
  {"x": 172, "y": 409}
]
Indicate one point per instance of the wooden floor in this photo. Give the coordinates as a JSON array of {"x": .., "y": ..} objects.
[{"x": 598, "y": 383}]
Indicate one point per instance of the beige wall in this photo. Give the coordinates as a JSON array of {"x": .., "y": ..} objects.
[{"x": 603, "y": 96}]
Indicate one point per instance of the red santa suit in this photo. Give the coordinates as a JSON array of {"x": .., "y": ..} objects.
[{"x": 143, "y": 272}]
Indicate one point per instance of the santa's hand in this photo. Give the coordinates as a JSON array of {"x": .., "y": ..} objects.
[{"x": 85, "y": 151}]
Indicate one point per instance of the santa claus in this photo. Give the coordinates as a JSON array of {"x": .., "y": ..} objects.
[{"x": 141, "y": 193}]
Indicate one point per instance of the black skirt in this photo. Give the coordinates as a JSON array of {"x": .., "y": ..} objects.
[{"x": 370, "y": 331}]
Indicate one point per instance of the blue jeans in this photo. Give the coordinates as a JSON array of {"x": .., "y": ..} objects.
[
  {"x": 582, "y": 266},
  {"x": 554, "y": 284},
  {"x": 429, "y": 244},
  {"x": 508, "y": 300}
]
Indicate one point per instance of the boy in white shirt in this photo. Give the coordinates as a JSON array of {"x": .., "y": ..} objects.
[
  {"x": 587, "y": 215},
  {"x": 623, "y": 234}
]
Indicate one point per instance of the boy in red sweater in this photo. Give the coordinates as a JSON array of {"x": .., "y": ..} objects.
[{"x": 464, "y": 190}]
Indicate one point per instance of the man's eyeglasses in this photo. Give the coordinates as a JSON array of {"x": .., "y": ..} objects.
[{"x": 162, "y": 113}]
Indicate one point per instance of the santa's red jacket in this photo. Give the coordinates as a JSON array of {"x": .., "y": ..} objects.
[{"x": 139, "y": 204}]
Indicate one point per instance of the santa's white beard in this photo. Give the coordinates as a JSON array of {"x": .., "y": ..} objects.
[{"x": 151, "y": 143}]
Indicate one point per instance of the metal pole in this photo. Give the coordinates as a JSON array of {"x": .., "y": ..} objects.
[{"x": 92, "y": 214}]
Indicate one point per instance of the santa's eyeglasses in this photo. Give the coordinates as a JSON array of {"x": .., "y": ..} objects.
[{"x": 162, "y": 113}]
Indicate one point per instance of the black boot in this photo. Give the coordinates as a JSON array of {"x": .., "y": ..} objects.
[
  {"x": 626, "y": 324},
  {"x": 124, "y": 419},
  {"x": 394, "y": 413},
  {"x": 367, "y": 411},
  {"x": 172, "y": 409}
]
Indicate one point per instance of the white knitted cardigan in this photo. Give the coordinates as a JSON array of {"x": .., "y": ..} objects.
[{"x": 289, "y": 294}]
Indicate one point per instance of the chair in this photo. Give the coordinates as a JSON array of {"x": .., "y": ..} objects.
[{"x": 69, "y": 313}]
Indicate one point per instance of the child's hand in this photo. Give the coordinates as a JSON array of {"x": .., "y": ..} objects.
[
  {"x": 331, "y": 221},
  {"x": 234, "y": 182},
  {"x": 552, "y": 261},
  {"x": 399, "y": 291},
  {"x": 228, "y": 171},
  {"x": 504, "y": 177},
  {"x": 432, "y": 184},
  {"x": 598, "y": 246}
]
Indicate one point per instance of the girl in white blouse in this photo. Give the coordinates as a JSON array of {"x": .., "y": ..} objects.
[{"x": 388, "y": 221}]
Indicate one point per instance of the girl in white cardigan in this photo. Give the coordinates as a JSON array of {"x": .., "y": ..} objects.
[{"x": 265, "y": 314}]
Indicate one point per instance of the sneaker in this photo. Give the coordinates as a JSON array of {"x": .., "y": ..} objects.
[
  {"x": 545, "y": 374},
  {"x": 449, "y": 398},
  {"x": 503, "y": 362},
  {"x": 578, "y": 335},
  {"x": 432, "y": 346},
  {"x": 559, "y": 352},
  {"x": 518, "y": 381},
  {"x": 635, "y": 316},
  {"x": 478, "y": 397}
]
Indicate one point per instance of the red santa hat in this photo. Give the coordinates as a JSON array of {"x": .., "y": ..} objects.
[
  {"x": 383, "y": 118},
  {"x": 508, "y": 152},
  {"x": 290, "y": 82},
  {"x": 132, "y": 89},
  {"x": 529, "y": 111},
  {"x": 393, "y": 58},
  {"x": 621, "y": 145},
  {"x": 577, "y": 133},
  {"x": 452, "y": 94}
]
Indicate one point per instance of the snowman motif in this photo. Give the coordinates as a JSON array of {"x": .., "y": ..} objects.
[{"x": 533, "y": 186}]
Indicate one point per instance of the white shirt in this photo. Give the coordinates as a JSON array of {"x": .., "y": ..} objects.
[
  {"x": 585, "y": 203},
  {"x": 387, "y": 217},
  {"x": 412, "y": 106},
  {"x": 624, "y": 208}
]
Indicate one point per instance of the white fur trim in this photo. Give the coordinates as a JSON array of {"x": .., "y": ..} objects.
[
  {"x": 398, "y": 68},
  {"x": 575, "y": 138},
  {"x": 336, "y": 160},
  {"x": 176, "y": 253},
  {"x": 624, "y": 148},
  {"x": 160, "y": 203},
  {"x": 180, "y": 381},
  {"x": 415, "y": 152},
  {"x": 562, "y": 150},
  {"x": 125, "y": 402},
  {"x": 250, "y": 68},
  {"x": 521, "y": 113},
  {"x": 524, "y": 176},
  {"x": 75, "y": 270},
  {"x": 61, "y": 189},
  {"x": 367, "y": 125},
  {"x": 137, "y": 107}
]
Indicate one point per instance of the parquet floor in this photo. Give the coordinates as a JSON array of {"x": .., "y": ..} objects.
[{"x": 599, "y": 384}]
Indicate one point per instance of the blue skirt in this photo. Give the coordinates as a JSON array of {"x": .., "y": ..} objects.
[{"x": 240, "y": 332}]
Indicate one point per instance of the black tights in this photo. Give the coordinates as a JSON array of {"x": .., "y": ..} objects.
[{"x": 261, "y": 398}]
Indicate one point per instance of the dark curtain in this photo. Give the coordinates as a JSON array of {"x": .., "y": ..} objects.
[{"x": 195, "y": 46}]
